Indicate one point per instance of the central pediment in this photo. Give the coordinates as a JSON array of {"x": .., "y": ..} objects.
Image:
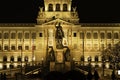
[{"x": 55, "y": 21}]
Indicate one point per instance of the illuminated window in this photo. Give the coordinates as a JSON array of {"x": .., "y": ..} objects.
[
  {"x": 95, "y": 35},
  {"x": 26, "y": 59},
  {"x": 6, "y": 35},
  {"x": 33, "y": 35},
  {"x": 26, "y": 35},
  {"x": 50, "y": 7},
  {"x": 109, "y": 36},
  {"x": 64, "y": 7},
  {"x": 57, "y": 7},
  {"x": 88, "y": 35},
  {"x": 115, "y": 35},
  {"x": 13, "y": 35},
  {"x": 102, "y": 35},
  {"x": 19, "y": 35},
  {"x": 89, "y": 59}
]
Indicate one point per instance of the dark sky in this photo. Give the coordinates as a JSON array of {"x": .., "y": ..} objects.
[{"x": 90, "y": 11}]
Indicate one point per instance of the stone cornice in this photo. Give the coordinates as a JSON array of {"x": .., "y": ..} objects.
[
  {"x": 17, "y": 24},
  {"x": 100, "y": 24}
]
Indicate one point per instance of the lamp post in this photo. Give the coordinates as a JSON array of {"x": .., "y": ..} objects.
[{"x": 83, "y": 46}]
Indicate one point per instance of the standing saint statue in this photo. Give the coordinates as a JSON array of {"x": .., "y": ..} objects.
[{"x": 59, "y": 35}]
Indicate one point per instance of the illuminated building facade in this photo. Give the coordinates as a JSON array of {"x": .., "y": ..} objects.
[{"x": 31, "y": 41}]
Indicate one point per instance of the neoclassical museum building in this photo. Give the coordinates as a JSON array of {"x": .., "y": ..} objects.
[{"x": 56, "y": 32}]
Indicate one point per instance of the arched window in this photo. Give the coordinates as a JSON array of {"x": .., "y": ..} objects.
[
  {"x": 96, "y": 58},
  {"x": 109, "y": 35},
  {"x": 102, "y": 35},
  {"x": 116, "y": 35},
  {"x": 4, "y": 58},
  {"x": 4, "y": 66},
  {"x": 11, "y": 66},
  {"x": 64, "y": 7},
  {"x": 26, "y": 59},
  {"x": 57, "y": 7},
  {"x": 89, "y": 59},
  {"x": 50, "y": 7},
  {"x": 19, "y": 58},
  {"x": 88, "y": 35},
  {"x": 95, "y": 35},
  {"x": 12, "y": 58}
]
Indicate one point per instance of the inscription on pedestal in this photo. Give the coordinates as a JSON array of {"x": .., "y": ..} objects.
[{"x": 59, "y": 56}]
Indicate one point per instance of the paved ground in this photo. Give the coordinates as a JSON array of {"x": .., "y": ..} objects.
[{"x": 107, "y": 75}]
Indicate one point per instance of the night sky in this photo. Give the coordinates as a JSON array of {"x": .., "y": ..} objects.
[{"x": 90, "y": 11}]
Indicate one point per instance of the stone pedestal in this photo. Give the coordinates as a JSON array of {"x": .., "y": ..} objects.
[
  {"x": 67, "y": 66},
  {"x": 59, "y": 57},
  {"x": 52, "y": 66}
]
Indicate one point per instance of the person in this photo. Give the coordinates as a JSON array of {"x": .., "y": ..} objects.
[
  {"x": 113, "y": 77},
  {"x": 96, "y": 75},
  {"x": 89, "y": 75}
]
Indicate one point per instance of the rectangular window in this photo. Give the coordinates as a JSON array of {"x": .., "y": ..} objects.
[
  {"x": 40, "y": 35},
  {"x": 19, "y": 47},
  {"x": 33, "y": 35},
  {"x": 26, "y": 47},
  {"x": 13, "y": 35},
  {"x": 26, "y": 35},
  {"x": 6, "y": 47},
  {"x": 74, "y": 34},
  {"x": 12, "y": 47}
]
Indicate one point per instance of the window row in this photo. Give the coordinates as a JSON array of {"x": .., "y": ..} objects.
[
  {"x": 18, "y": 48},
  {"x": 89, "y": 35},
  {"x": 13, "y": 35},
  {"x": 5, "y": 59},
  {"x": 50, "y": 7},
  {"x": 96, "y": 59}
]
